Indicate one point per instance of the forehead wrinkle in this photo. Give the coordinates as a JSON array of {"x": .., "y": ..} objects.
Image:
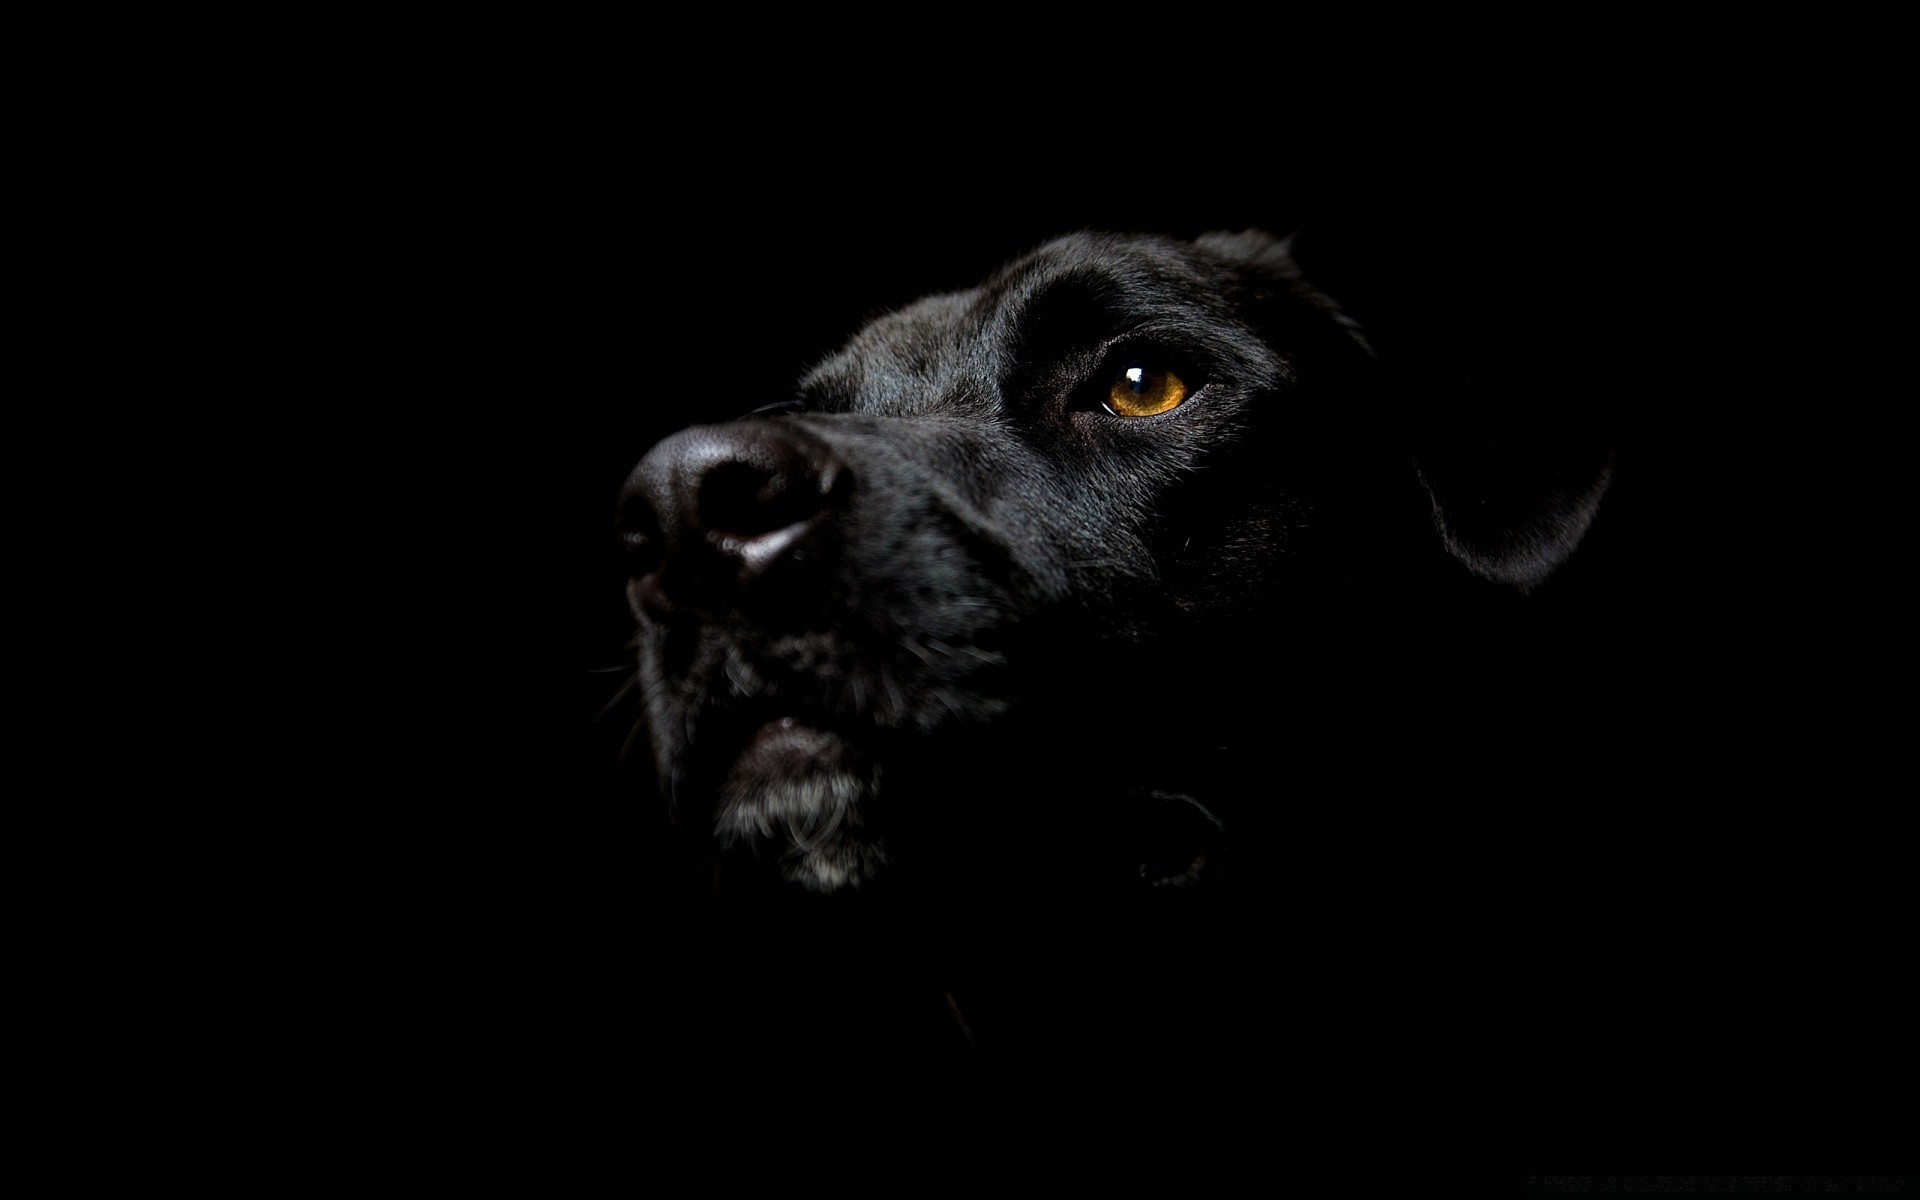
[
  {"x": 1128, "y": 287},
  {"x": 957, "y": 352},
  {"x": 1120, "y": 284}
]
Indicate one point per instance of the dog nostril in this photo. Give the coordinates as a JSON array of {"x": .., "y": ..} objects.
[
  {"x": 739, "y": 498},
  {"x": 740, "y": 501},
  {"x": 643, "y": 554},
  {"x": 641, "y": 544},
  {"x": 711, "y": 508}
]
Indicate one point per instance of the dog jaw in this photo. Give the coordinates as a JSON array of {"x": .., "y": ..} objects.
[{"x": 803, "y": 791}]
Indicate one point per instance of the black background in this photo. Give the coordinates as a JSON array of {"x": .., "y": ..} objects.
[{"x": 571, "y": 270}]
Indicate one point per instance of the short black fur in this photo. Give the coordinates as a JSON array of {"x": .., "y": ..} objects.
[{"x": 1006, "y": 721}]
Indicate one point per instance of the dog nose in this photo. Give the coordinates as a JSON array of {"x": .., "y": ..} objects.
[{"x": 711, "y": 508}]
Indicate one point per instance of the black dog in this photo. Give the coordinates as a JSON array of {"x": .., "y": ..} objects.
[{"x": 1121, "y": 586}]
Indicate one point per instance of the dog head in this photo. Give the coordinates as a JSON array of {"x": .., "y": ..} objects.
[{"x": 1033, "y": 542}]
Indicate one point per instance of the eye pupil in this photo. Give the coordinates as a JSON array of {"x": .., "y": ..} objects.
[{"x": 1137, "y": 377}]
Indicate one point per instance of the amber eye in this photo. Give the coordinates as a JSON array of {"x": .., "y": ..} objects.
[{"x": 1145, "y": 392}]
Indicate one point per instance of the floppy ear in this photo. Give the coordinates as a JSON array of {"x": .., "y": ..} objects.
[
  {"x": 1509, "y": 403},
  {"x": 1271, "y": 259},
  {"x": 1514, "y": 481},
  {"x": 1512, "y": 493}
]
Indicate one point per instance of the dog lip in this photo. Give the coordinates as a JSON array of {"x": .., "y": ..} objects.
[
  {"x": 778, "y": 729},
  {"x": 786, "y": 743}
]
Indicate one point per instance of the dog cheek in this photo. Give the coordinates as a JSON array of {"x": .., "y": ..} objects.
[
  {"x": 1109, "y": 529},
  {"x": 1235, "y": 567}
]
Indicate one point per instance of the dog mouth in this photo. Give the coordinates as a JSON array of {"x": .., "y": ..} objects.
[
  {"x": 776, "y": 742},
  {"x": 790, "y": 747},
  {"x": 801, "y": 794}
]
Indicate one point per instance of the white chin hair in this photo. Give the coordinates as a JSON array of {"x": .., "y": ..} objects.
[
  {"x": 812, "y": 819},
  {"x": 829, "y": 868}
]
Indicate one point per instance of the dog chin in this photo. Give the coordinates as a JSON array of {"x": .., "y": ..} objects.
[{"x": 803, "y": 793}]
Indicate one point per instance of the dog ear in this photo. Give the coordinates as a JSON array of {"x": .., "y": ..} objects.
[
  {"x": 1512, "y": 493},
  {"x": 1504, "y": 388},
  {"x": 1513, "y": 484},
  {"x": 1269, "y": 258}
]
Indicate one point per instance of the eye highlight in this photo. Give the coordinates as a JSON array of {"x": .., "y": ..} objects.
[{"x": 1142, "y": 391}]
